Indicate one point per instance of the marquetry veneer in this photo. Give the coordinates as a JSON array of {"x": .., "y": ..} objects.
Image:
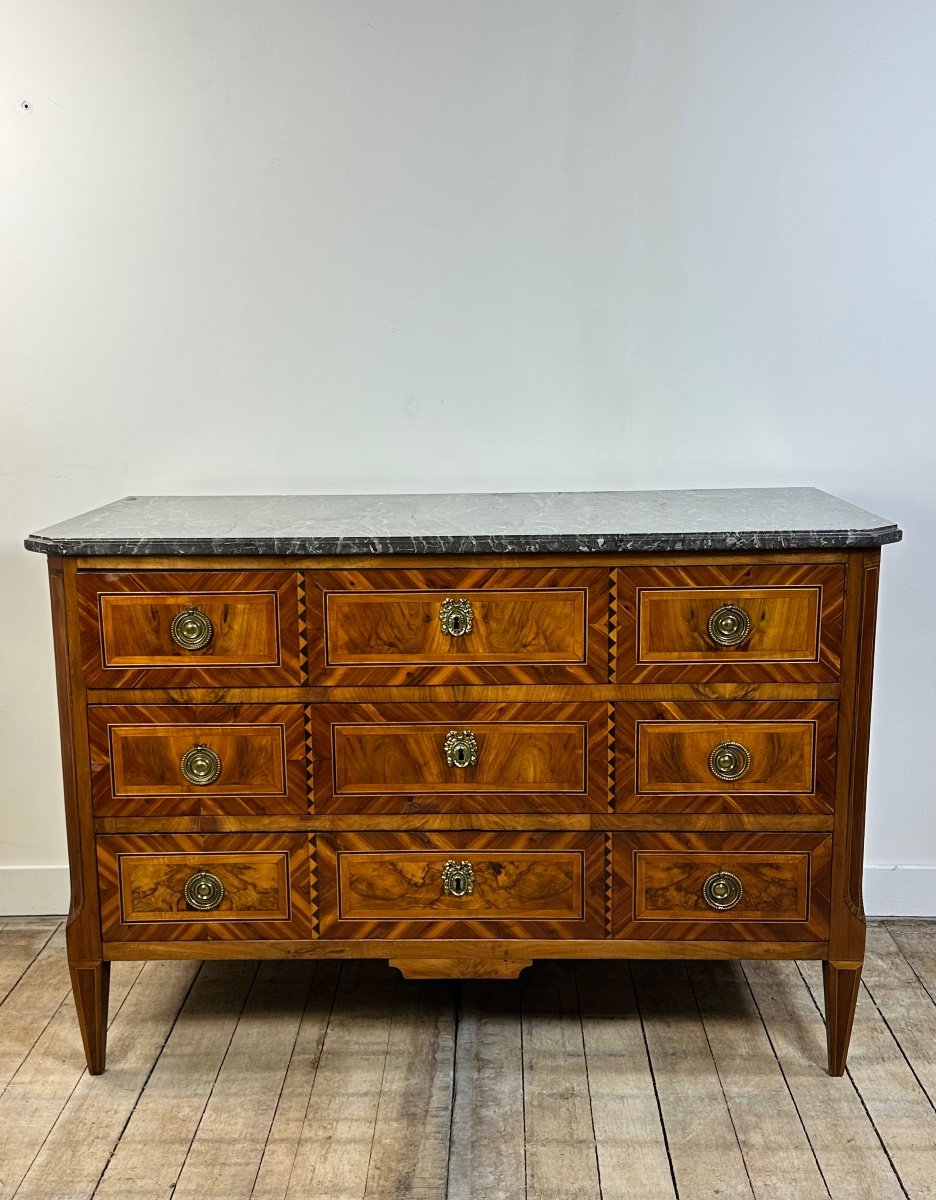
[{"x": 462, "y": 763}]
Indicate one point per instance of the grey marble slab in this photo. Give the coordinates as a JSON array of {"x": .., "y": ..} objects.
[{"x": 512, "y": 522}]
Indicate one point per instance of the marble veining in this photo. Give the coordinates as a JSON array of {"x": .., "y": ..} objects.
[{"x": 472, "y": 523}]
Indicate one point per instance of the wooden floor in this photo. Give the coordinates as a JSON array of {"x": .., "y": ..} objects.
[{"x": 581, "y": 1081}]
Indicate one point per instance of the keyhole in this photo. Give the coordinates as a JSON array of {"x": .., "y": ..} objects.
[
  {"x": 461, "y": 756},
  {"x": 457, "y": 886},
  {"x": 456, "y": 624}
]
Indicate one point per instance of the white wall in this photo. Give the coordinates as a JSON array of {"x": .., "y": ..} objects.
[{"x": 386, "y": 245}]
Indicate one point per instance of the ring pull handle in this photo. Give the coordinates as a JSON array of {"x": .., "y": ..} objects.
[
  {"x": 201, "y": 765},
  {"x": 191, "y": 629},
  {"x": 722, "y": 890},
  {"x": 730, "y": 761},
  {"x": 456, "y": 616},
  {"x": 457, "y": 878},
  {"x": 729, "y": 625},
  {"x": 204, "y": 891},
  {"x": 460, "y": 749}
]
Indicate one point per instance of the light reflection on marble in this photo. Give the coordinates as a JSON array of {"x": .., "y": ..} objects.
[{"x": 470, "y": 523}]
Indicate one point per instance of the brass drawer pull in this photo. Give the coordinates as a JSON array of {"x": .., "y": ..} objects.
[
  {"x": 722, "y": 890},
  {"x": 729, "y": 625},
  {"x": 461, "y": 749},
  {"x": 204, "y": 891},
  {"x": 191, "y": 629},
  {"x": 456, "y": 616},
  {"x": 457, "y": 878},
  {"x": 730, "y": 761},
  {"x": 201, "y": 765}
]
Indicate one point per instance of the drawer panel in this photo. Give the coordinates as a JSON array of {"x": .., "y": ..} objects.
[
  {"x": 673, "y": 757},
  {"x": 395, "y": 757},
  {"x": 514, "y": 625},
  {"x": 788, "y": 620},
  {"x": 140, "y": 755},
  {"x": 671, "y": 886},
  {"x": 250, "y": 620},
  {"x": 258, "y": 885},
  {"x": 392, "y": 885}
]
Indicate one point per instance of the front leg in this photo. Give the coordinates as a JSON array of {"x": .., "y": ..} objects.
[
  {"x": 840, "y": 983},
  {"x": 90, "y": 987}
]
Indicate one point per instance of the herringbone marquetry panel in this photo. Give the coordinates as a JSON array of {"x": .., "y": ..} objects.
[
  {"x": 136, "y": 753},
  {"x": 785, "y": 879},
  {"x": 125, "y": 619},
  {"x": 265, "y": 878},
  {"x": 390, "y": 758},
  {"x": 795, "y": 613},
  {"x": 663, "y": 749},
  {"x": 526, "y": 885},
  {"x": 531, "y": 625}
]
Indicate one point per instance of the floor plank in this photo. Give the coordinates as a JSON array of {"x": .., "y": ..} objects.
[
  {"x": 706, "y": 1156},
  {"x": 227, "y": 1149},
  {"x": 75, "y": 1153},
  {"x": 45, "y": 1080},
  {"x": 153, "y": 1148},
  {"x": 851, "y": 1157},
  {"x": 632, "y": 1155},
  {"x": 19, "y": 947},
  {"x": 487, "y": 1159},
  {"x": 31, "y": 1005},
  {"x": 561, "y": 1157},
  {"x": 904, "y": 1003},
  {"x": 334, "y": 1150},
  {"x": 917, "y": 943}
]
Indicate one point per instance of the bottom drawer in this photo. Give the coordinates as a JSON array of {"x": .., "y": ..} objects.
[
  {"x": 722, "y": 886},
  {"x": 471, "y": 885},
  {"x": 204, "y": 886}
]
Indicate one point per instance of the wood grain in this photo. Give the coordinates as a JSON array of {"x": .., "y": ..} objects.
[
  {"x": 125, "y": 619},
  {"x": 796, "y": 615},
  {"x": 390, "y": 758},
  {"x": 531, "y": 625},
  {"x": 526, "y": 885},
  {"x": 662, "y": 757}
]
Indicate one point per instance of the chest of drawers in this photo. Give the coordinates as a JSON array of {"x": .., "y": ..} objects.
[{"x": 460, "y": 733}]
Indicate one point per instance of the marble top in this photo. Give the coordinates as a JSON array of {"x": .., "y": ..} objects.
[{"x": 511, "y": 522}]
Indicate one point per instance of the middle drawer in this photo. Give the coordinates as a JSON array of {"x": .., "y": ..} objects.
[{"x": 410, "y": 758}]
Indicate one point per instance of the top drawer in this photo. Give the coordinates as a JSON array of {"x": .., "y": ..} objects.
[
  {"x": 189, "y": 628},
  {"x": 458, "y": 625},
  {"x": 744, "y": 623}
]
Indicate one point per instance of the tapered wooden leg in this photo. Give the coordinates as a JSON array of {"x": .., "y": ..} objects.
[
  {"x": 90, "y": 986},
  {"x": 840, "y": 984}
]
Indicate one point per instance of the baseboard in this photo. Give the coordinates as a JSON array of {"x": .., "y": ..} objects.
[
  {"x": 33, "y": 891},
  {"x": 888, "y": 891},
  {"x": 908, "y": 891}
]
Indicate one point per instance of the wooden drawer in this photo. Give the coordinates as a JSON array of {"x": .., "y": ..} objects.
[
  {"x": 392, "y": 758},
  {"x": 264, "y": 877},
  {"x": 794, "y": 616},
  {"x": 523, "y": 885},
  {"x": 667, "y": 757},
  {"x": 137, "y": 754},
  {"x": 659, "y": 886},
  {"x": 528, "y": 625},
  {"x": 126, "y": 622}
]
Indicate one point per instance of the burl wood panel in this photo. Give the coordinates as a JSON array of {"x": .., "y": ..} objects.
[
  {"x": 796, "y": 615},
  {"x": 658, "y": 879},
  {"x": 663, "y": 750},
  {"x": 125, "y": 617},
  {"x": 527, "y": 885},
  {"x": 137, "y": 750},
  {"x": 531, "y": 625},
  {"x": 389, "y": 758},
  {"x": 267, "y": 891}
]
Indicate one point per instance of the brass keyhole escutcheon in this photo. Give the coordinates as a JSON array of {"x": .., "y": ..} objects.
[
  {"x": 204, "y": 891},
  {"x": 191, "y": 629},
  {"x": 730, "y": 761},
  {"x": 457, "y": 878},
  {"x": 729, "y": 625},
  {"x": 461, "y": 749},
  {"x": 201, "y": 765},
  {"x": 456, "y": 616},
  {"x": 722, "y": 890}
]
